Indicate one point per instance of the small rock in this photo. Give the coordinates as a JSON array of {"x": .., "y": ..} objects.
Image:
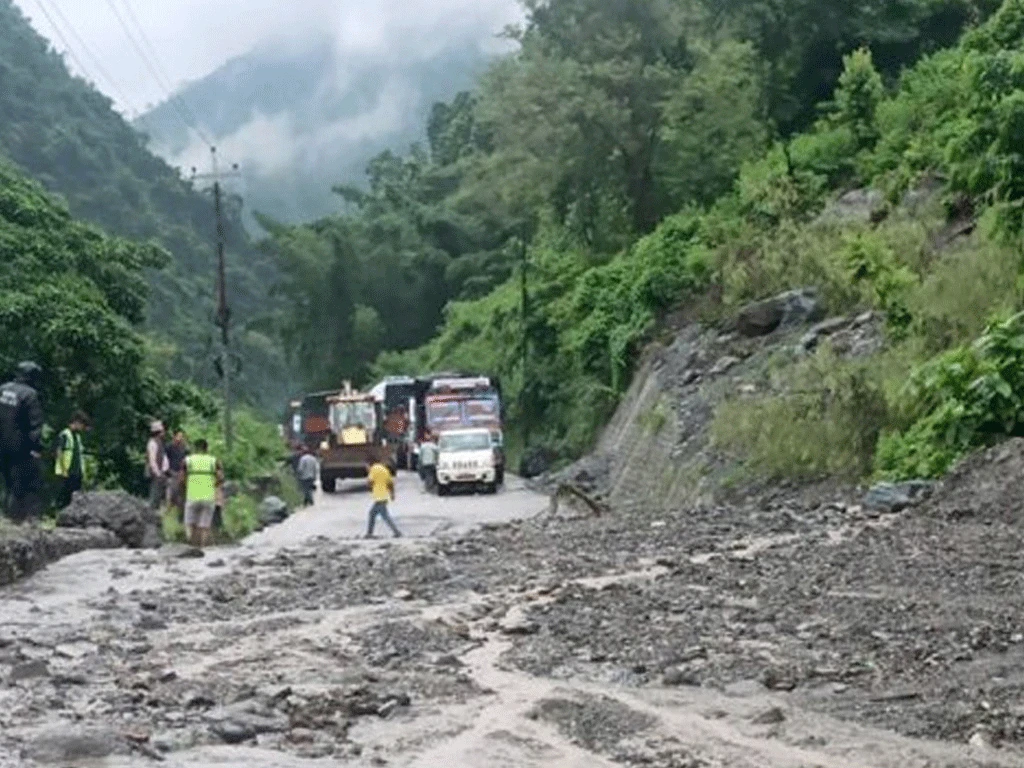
[
  {"x": 895, "y": 497},
  {"x": 301, "y": 736},
  {"x": 167, "y": 676},
  {"x": 218, "y": 563},
  {"x": 516, "y": 622},
  {"x": 679, "y": 676},
  {"x": 29, "y": 670},
  {"x": 403, "y": 594},
  {"x": 723, "y": 365},
  {"x": 772, "y": 716},
  {"x": 388, "y": 708},
  {"x": 231, "y": 732}
]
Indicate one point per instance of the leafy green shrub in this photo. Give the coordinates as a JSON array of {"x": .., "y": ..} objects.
[
  {"x": 825, "y": 422},
  {"x": 961, "y": 400}
]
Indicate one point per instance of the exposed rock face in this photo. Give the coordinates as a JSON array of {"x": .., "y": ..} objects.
[
  {"x": 128, "y": 518},
  {"x": 785, "y": 311},
  {"x": 24, "y": 551}
]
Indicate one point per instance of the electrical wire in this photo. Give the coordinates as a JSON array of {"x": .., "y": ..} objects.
[
  {"x": 188, "y": 121},
  {"x": 111, "y": 82}
]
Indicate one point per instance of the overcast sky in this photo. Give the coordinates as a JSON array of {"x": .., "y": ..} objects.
[{"x": 193, "y": 37}]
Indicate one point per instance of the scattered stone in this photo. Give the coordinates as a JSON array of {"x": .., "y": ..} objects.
[
  {"x": 233, "y": 732},
  {"x": 772, "y": 716},
  {"x": 895, "y": 497},
  {"x": 388, "y": 708},
  {"x": 822, "y": 330},
  {"x": 679, "y": 676},
  {"x": 787, "y": 310},
  {"x": 29, "y": 670},
  {"x": 516, "y": 622},
  {"x": 724, "y": 365}
]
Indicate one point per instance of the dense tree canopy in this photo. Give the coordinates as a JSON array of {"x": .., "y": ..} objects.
[{"x": 73, "y": 299}]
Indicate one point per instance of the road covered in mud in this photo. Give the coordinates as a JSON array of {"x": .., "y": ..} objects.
[{"x": 789, "y": 632}]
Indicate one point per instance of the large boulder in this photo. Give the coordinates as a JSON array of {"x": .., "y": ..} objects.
[
  {"x": 787, "y": 310},
  {"x": 130, "y": 519}
]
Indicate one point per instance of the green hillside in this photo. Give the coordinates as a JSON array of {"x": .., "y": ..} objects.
[
  {"x": 641, "y": 157},
  {"x": 61, "y": 131}
]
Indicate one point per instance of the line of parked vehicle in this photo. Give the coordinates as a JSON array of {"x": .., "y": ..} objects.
[{"x": 460, "y": 415}]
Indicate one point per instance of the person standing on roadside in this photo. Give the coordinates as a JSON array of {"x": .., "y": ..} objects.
[
  {"x": 157, "y": 466},
  {"x": 382, "y": 485},
  {"x": 201, "y": 476},
  {"x": 177, "y": 452},
  {"x": 21, "y": 443},
  {"x": 70, "y": 461},
  {"x": 428, "y": 464},
  {"x": 307, "y": 472}
]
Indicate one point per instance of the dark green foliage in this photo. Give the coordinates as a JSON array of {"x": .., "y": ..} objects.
[
  {"x": 966, "y": 398},
  {"x": 72, "y": 299},
  {"x": 65, "y": 134}
]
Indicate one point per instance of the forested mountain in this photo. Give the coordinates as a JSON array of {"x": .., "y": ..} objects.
[
  {"x": 303, "y": 116},
  {"x": 59, "y": 130},
  {"x": 619, "y": 157}
]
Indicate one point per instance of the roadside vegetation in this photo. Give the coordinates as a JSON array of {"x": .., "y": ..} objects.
[{"x": 255, "y": 467}]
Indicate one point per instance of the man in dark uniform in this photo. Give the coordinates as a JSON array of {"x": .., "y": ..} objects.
[{"x": 21, "y": 435}]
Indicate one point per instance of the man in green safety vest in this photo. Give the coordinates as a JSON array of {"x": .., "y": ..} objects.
[
  {"x": 202, "y": 475},
  {"x": 70, "y": 463}
]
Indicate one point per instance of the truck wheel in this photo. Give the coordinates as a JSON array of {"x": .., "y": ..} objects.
[
  {"x": 491, "y": 488},
  {"x": 330, "y": 484},
  {"x": 444, "y": 490}
]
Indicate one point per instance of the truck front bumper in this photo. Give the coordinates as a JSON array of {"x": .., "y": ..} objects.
[{"x": 485, "y": 476}]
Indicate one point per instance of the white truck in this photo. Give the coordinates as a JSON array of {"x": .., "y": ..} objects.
[{"x": 467, "y": 458}]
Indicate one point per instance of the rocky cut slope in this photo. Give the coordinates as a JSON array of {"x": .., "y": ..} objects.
[{"x": 656, "y": 451}]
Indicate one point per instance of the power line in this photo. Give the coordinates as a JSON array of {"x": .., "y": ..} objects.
[
  {"x": 70, "y": 50},
  {"x": 167, "y": 82},
  {"x": 190, "y": 124}
]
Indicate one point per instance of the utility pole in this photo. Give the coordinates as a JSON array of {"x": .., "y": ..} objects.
[
  {"x": 222, "y": 318},
  {"x": 526, "y": 403}
]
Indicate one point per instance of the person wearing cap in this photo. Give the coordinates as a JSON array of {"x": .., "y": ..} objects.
[
  {"x": 70, "y": 462},
  {"x": 158, "y": 466},
  {"x": 21, "y": 436}
]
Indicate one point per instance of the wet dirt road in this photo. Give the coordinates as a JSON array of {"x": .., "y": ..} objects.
[{"x": 308, "y": 647}]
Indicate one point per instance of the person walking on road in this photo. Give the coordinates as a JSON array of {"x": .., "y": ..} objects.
[
  {"x": 201, "y": 476},
  {"x": 307, "y": 472},
  {"x": 21, "y": 435},
  {"x": 70, "y": 462},
  {"x": 158, "y": 467},
  {"x": 177, "y": 452},
  {"x": 382, "y": 485}
]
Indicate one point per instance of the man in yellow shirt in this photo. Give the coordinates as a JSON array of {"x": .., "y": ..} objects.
[{"x": 382, "y": 484}]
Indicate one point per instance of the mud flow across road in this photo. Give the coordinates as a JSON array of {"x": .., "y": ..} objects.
[{"x": 495, "y": 635}]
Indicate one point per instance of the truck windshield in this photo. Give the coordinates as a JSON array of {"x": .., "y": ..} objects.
[
  {"x": 356, "y": 414},
  {"x": 471, "y": 441}
]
